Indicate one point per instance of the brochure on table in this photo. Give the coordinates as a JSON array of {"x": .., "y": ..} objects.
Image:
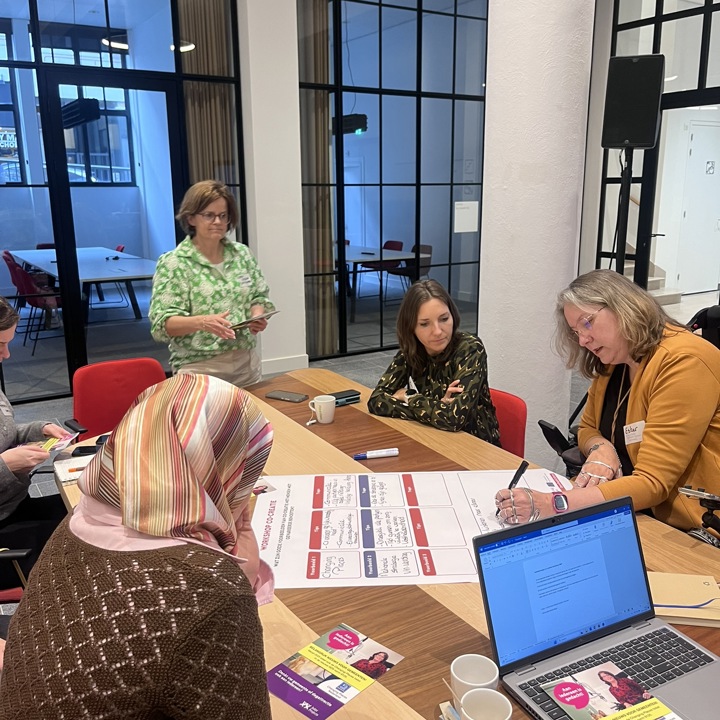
[
  {"x": 586, "y": 696},
  {"x": 329, "y": 672},
  {"x": 381, "y": 529}
]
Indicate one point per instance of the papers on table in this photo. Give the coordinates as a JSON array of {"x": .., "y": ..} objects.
[
  {"x": 381, "y": 529},
  {"x": 70, "y": 470}
]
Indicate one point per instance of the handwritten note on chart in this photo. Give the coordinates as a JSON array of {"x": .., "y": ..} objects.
[{"x": 384, "y": 529}]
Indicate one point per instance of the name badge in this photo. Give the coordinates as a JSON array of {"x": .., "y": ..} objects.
[{"x": 634, "y": 432}]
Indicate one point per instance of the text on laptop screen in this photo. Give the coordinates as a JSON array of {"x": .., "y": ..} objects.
[{"x": 548, "y": 587}]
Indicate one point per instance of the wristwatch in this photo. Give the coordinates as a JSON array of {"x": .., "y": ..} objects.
[{"x": 560, "y": 502}]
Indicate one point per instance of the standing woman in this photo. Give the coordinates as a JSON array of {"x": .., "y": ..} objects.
[
  {"x": 144, "y": 604},
  {"x": 439, "y": 375},
  {"x": 204, "y": 286}
]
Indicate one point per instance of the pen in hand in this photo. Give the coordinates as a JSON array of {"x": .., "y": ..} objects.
[{"x": 516, "y": 478}]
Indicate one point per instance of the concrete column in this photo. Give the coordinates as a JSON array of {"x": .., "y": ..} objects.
[{"x": 539, "y": 62}]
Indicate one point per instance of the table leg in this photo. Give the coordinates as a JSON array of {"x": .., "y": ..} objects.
[
  {"x": 133, "y": 299},
  {"x": 86, "y": 290},
  {"x": 353, "y": 291}
]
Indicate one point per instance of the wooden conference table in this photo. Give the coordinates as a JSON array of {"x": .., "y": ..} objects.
[
  {"x": 429, "y": 624},
  {"x": 96, "y": 265}
]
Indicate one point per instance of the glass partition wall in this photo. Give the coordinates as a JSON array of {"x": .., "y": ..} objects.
[
  {"x": 672, "y": 218},
  {"x": 392, "y": 106},
  {"x": 109, "y": 110}
]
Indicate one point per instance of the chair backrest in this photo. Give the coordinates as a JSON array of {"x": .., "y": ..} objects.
[
  {"x": 120, "y": 248},
  {"x": 707, "y": 321},
  {"x": 103, "y": 392},
  {"x": 37, "y": 296},
  {"x": 45, "y": 246},
  {"x": 393, "y": 245},
  {"x": 511, "y": 412}
]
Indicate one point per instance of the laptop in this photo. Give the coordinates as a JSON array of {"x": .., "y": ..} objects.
[{"x": 568, "y": 597}]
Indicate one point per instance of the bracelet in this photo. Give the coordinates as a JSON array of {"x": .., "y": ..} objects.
[
  {"x": 204, "y": 322},
  {"x": 600, "y": 462},
  {"x": 534, "y": 512},
  {"x": 593, "y": 448}
]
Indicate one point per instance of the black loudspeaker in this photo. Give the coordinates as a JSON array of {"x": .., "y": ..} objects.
[{"x": 632, "y": 101}]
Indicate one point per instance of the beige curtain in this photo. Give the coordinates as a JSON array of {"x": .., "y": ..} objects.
[
  {"x": 206, "y": 24},
  {"x": 316, "y": 162},
  {"x": 211, "y": 131}
]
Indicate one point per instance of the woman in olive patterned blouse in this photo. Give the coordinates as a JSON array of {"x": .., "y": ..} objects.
[
  {"x": 204, "y": 286},
  {"x": 439, "y": 375}
]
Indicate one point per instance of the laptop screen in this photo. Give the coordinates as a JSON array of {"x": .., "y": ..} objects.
[{"x": 557, "y": 583}]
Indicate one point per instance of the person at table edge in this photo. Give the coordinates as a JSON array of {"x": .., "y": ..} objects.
[
  {"x": 439, "y": 375},
  {"x": 204, "y": 286},
  {"x": 652, "y": 421}
]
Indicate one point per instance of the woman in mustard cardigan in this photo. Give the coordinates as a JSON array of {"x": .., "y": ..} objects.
[{"x": 652, "y": 421}]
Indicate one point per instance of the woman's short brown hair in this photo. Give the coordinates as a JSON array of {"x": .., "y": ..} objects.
[
  {"x": 419, "y": 293},
  {"x": 8, "y": 315},
  {"x": 199, "y": 196},
  {"x": 640, "y": 319}
]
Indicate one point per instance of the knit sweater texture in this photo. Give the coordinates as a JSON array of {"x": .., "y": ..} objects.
[{"x": 166, "y": 633}]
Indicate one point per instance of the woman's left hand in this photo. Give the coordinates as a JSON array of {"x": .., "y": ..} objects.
[
  {"x": 53, "y": 430},
  {"x": 453, "y": 389},
  {"x": 257, "y": 326},
  {"x": 520, "y": 505}
]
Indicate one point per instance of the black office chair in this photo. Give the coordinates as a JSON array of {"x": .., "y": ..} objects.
[{"x": 707, "y": 321}]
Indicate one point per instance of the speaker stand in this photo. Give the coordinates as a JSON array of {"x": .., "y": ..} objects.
[{"x": 623, "y": 210}]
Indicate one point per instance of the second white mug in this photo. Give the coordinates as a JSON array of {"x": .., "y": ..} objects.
[
  {"x": 485, "y": 704},
  {"x": 324, "y": 408},
  {"x": 472, "y": 671}
]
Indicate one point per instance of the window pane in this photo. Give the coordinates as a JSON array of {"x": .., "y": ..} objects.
[
  {"x": 470, "y": 57},
  {"x": 211, "y": 114},
  {"x": 713, "y": 76},
  {"x": 360, "y": 45},
  {"x": 205, "y": 37},
  {"x": 464, "y": 284},
  {"x": 443, "y": 6},
  {"x": 680, "y": 43},
  {"x": 404, "y": 3},
  {"x": 14, "y": 31},
  {"x": 148, "y": 27},
  {"x": 437, "y": 53},
  {"x": 119, "y": 143},
  {"x": 436, "y": 140},
  {"x": 398, "y": 139},
  {"x": 638, "y": 41},
  {"x": 473, "y": 8},
  {"x": 399, "y": 49},
  {"x": 362, "y": 212},
  {"x": 363, "y": 148},
  {"x": 467, "y": 154},
  {"x": 10, "y": 168},
  {"x": 466, "y": 245},
  {"x": 435, "y": 227},
  {"x": 630, "y": 10},
  {"x": 398, "y": 219}
]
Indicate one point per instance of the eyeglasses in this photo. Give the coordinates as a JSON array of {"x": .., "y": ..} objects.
[
  {"x": 585, "y": 324},
  {"x": 209, "y": 217}
]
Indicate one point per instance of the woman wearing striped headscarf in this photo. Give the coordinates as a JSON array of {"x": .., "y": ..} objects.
[{"x": 144, "y": 603}]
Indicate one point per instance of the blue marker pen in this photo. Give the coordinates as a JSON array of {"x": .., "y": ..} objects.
[{"x": 370, "y": 454}]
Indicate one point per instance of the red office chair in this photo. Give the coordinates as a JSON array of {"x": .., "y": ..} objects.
[
  {"x": 103, "y": 392},
  {"x": 511, "y": 412}
]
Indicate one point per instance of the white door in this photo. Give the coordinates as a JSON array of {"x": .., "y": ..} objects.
[{"x": 699, "y": 246}]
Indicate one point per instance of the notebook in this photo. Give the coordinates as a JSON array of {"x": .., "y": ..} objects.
[{"x": 563, "y": 593}]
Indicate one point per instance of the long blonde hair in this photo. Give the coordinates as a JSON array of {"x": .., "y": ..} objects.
[{"x": 641, "y": 320}]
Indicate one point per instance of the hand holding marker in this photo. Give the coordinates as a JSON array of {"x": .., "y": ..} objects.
[{"x": 515, "y": 479}]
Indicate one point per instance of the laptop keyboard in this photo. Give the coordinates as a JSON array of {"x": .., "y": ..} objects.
[{"x": 651, "y": 659}]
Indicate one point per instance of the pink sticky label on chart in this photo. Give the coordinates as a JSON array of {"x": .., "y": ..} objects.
[
  {"x": 571, "y": 693},
  {"x": 342, "y": 640}
]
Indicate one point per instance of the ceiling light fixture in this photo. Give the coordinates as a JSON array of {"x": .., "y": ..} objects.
[
  {"x": 185, "y": 46},
  {"x": 116, "y": 41}
]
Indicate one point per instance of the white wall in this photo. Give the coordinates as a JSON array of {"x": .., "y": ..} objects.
[
  {"x": 539, "y": 58},
  {"x": 271, "y": 125}
]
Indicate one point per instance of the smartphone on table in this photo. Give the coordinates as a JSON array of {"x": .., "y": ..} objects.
[{"x": 286, "y": 395}]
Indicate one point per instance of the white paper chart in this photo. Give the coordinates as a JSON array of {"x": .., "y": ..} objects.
[{"x": 383, "y": 529}]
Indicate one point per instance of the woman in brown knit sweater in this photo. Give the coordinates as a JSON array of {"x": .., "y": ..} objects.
[{"x": 144, "y": 603}]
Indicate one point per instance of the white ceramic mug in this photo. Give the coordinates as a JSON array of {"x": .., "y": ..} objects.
[
  {"x": 324, "y": 408},
  {"x": 485, "y": 704},
  {"x": 472, "y": 671}
]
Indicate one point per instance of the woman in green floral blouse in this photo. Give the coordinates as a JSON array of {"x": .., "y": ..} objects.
[
  {"x": 204, "y": 286},
  {"x": 439, "y": 375}
]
